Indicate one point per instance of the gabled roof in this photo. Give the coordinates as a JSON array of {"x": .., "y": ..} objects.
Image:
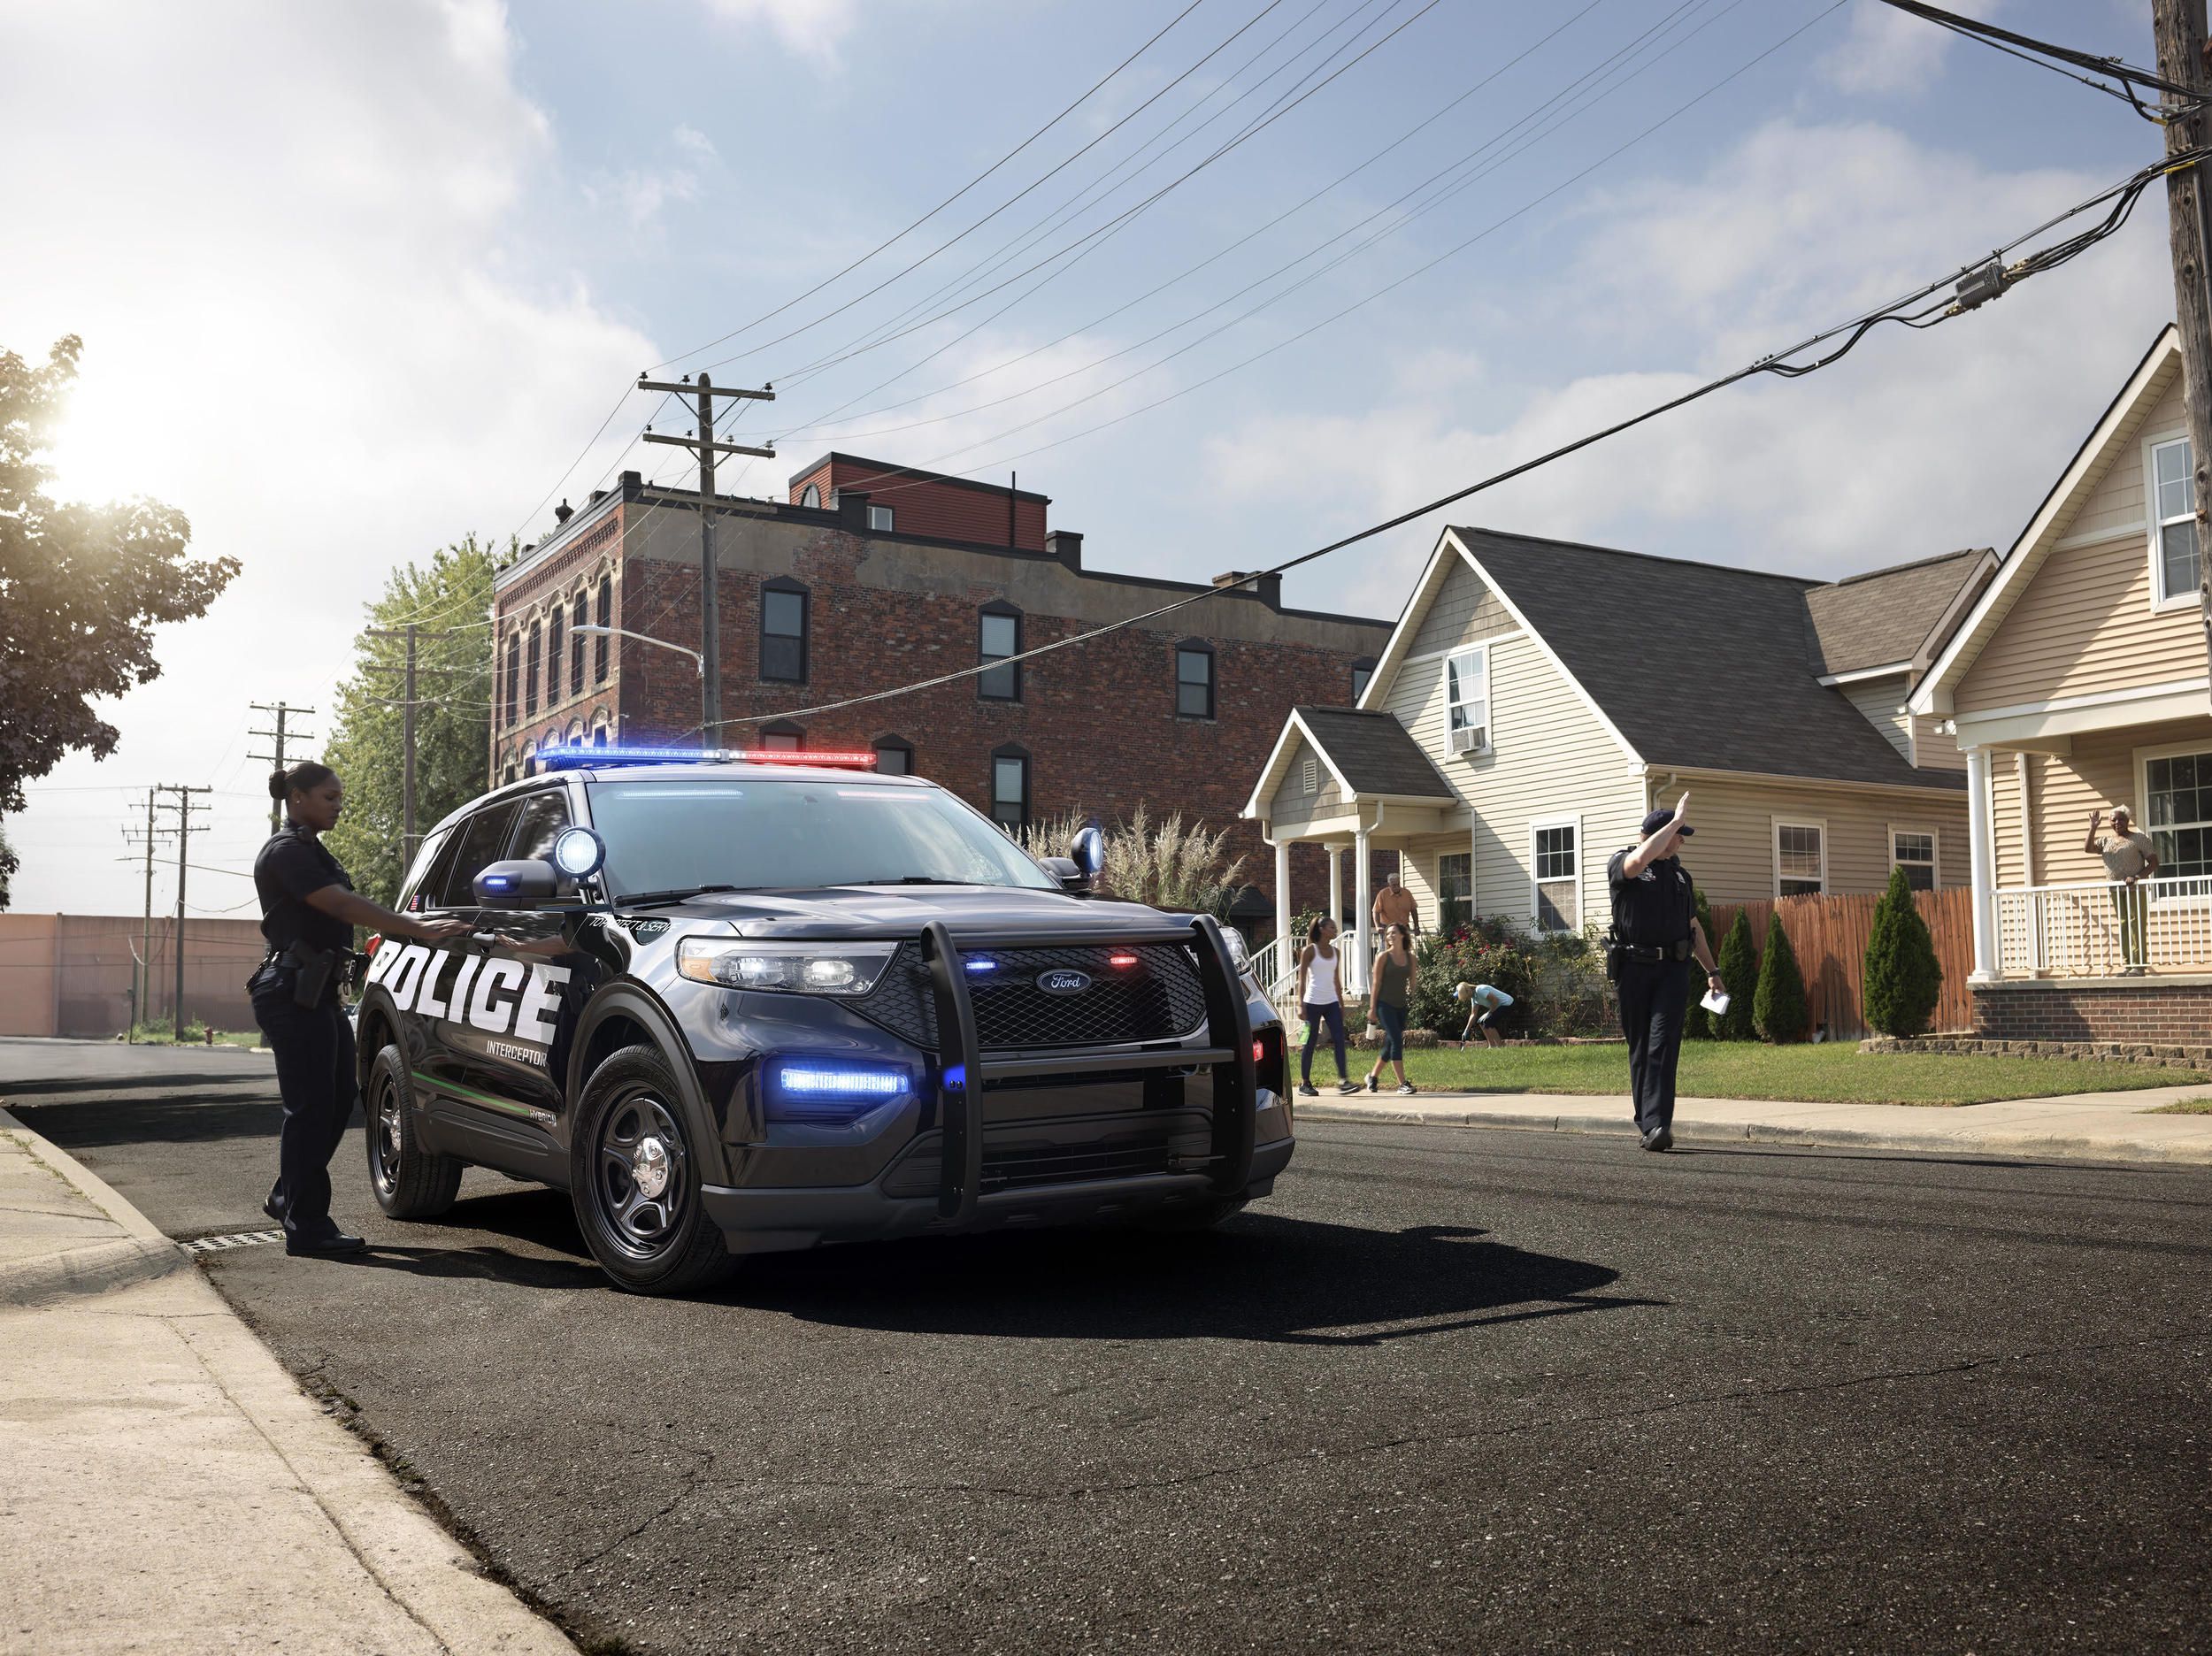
[
  {"x": 1887, "y": 616},
  {"x": 1370, "y": 755},
  {"x": 1698, "y": 666},
  {"x": 2045, "y": 527}
]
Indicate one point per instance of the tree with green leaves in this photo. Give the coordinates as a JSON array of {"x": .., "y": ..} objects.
[
  {"x": 1697, "y": 1022},
  {"x": 453, "y": 673},
  {"x": 1902, "y": 977},
  {"x": 1778, "y": 1011},
  {"x": 1738, "y": 964},
  {"x": 82, "y": 589}
]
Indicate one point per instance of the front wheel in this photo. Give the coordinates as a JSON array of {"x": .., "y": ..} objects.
[
  {"x": 635, "y": 1181},
  {"x": 408, "y": 1180}
]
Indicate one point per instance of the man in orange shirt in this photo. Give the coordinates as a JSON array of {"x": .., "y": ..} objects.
[{"x": 1394, "y": 906}]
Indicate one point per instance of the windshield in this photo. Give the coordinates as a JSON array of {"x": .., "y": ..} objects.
[{"x": 680, "y": 835}]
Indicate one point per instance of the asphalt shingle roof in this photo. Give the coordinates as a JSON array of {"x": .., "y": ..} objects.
[
  {"x": 1696, "y": 664},
  {"x": 1872, "y": 620},
  {"x": 1374, "y": 753}
]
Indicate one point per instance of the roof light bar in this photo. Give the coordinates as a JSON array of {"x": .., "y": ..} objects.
[{"x": 578, "y": 758}]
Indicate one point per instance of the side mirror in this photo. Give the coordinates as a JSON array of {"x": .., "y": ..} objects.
[
  {"x": 522, "y": 883},
  {"x": 1071, "y": 878},
  {"x": 1087, "y": 851}
]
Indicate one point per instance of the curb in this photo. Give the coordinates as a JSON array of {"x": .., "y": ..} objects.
[
  {"x": 1689, "y": 1133},
  {"x": 140, "y": 1255}
]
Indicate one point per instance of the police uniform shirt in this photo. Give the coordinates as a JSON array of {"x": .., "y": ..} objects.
[
  {"x": 1656, "y": 906},
  {"x": 291, "y": 866}
]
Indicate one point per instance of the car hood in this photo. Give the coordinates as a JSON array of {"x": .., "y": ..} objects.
[{"x": 902, "y": 911}]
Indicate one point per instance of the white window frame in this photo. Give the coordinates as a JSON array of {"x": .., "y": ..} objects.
[
  {"x": 2161, "y": 600},
  {"x": 1935, "y": 856},
  {"x": 1774, "y": 849},
  {"x": 1535, "y": 906},
  {"x": 1489, "y": 708},
  {"x": 881, "y": 520},
  {"x": 2142, "y": 802}
]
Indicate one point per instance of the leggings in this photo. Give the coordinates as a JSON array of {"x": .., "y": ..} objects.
[
  {"x": 1392, "y": 1019},
  {"x": 1318, "y": 1013}
]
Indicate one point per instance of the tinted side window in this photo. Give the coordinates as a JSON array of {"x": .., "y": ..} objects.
[
  {"x": 543, "y": 817},
  {"x": 424, "y": 877},
  {"x": 478, "y": 842}
]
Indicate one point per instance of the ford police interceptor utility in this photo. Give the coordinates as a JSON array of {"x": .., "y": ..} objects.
[{"x": 735, "y": 1006}]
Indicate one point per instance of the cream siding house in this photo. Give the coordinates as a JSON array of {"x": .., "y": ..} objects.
[
  {"x": 1519, "y": 725},
  {"x": 2077, "y": 683}
]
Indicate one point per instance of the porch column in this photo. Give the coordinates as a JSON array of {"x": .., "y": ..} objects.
[
  {"x": 1980, "y": 860},
  {"x": 1364, "y": 887},
  {"x": 1336, "y": 884},
  {"x": 1282, "y": 905}
]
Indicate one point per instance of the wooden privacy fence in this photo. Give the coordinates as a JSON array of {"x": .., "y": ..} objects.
[{"x": 1830, "y": 935}]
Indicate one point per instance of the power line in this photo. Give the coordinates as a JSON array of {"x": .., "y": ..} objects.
[
  {"x": 1974, "y": 284},
  {"x": 2022, "y": 46}
]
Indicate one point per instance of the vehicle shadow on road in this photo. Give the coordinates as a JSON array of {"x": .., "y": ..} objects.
[
  {"x": 180, "y": 1117},
  {"x": 1260, "y": 1277}
]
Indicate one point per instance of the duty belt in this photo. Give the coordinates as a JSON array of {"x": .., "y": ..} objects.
[{"x": 1655, "y": 951}]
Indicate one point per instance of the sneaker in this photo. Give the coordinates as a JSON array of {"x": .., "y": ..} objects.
[
  {"x": 1407, "y": 1090},
  {"x": 1347, "y": 1087},
  {"x": 1306, "y": 1089},
  {"x": 1374, "y": 1084}
]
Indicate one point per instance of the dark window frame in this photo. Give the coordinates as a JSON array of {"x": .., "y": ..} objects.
[
  {"x": 555, "y": 647},
  {"x": 1362, "y": 675},
  {"x": 1005, "y": 751},
  {"x": 890, "y": 742},
  {"x": 514, "y": 677},
  {"x": 499, "y": 833},
  {"x": 577, "y": 640},
  {"x": 784, "y": 584},
  {"x": 606, "y": 618},
  {"x": 536, "y": 659},
  {"x": 998, "y": 610},
  {"x": 1202, "y": 648}
]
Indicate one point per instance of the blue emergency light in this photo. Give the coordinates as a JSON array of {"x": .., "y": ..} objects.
[
  {"x": 826, "y": 1093},
  {"x": 578, "y": 756}
]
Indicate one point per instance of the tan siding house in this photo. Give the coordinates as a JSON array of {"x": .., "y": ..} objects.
[
  {"x": 2077, "y": 684},
  {"x": 1517, "y": 727}
]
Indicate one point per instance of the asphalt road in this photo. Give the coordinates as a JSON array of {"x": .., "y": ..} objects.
[{"x": 1448, "y": 1391}]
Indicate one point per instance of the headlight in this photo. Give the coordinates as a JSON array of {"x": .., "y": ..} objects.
[
  {"x": 1238, "y": 953},
  {"x": 823, "y": 969}
]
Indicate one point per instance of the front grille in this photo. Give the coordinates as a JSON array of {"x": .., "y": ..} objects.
[
  {"x": 1022, "y": 1166},
  {"x": 1160, "y": 998}
]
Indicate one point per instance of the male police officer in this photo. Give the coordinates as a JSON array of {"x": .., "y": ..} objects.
[{"x": 1655, "y": 934}]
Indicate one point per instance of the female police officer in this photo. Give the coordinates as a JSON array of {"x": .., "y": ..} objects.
[{"x": 308, "y": 912}]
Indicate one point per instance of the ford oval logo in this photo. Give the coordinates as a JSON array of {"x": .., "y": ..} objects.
[{"x": 1064, "y": 982}]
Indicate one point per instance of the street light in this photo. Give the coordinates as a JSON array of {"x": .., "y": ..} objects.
[{"x": 698, "y": 662}]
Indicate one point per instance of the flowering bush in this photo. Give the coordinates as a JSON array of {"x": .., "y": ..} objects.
[{"x": 1557, "y": 980}]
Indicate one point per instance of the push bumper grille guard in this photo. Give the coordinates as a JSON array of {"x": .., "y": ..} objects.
[{"x": 962, "y": 1070}]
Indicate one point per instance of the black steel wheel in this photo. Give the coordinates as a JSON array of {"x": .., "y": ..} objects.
[
  {"x": 408, "y": 1180},
  {"x": 636, "y": 1180}
]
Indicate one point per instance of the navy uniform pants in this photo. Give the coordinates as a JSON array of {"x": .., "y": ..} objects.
[
  {"x": 1654, "y": 995},
  {"x": 314, "y": 1047}
]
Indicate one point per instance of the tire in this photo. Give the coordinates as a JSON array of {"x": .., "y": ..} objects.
[
  {"x": 634, "y": 1181},
  {"x": 1193, "y": 1217},
  {"x": 408, "y": 1180}
]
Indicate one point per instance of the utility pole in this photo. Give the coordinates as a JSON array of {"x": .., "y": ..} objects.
[
  {"x": 2178, "y": 28},
  {"x": 408, "y": 701},
  {"x": 184, "y": 807},
  {"x": 705, "y": 448},
  {"x": 279, "y": 710},
  {"x": 142, "y": 968}
]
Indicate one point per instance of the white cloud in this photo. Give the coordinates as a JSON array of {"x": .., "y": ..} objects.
[
  {"x": 1890, "y": 53},
  {"x": 807, "y": 29},
  {"x": 1919, "y": 442},
  {"x": 639, "y": 194},
  {"x": 290, "y": 237}
]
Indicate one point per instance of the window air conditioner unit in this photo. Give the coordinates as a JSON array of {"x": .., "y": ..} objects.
[{"x": 1472, "y": 738}]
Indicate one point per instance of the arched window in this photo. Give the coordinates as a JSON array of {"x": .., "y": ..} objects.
[
  {"x": 606, "y": 618},
  {"x": 556, "y": 632},
  {"x": 894, "y": 756},
  {"x": 999, "y": 635},
  {"x": 576, "y": 649},
  {"x": 811, "y": 496},
  {"x": 514, "y": 677},
  {"x": 530, "y": 680},
  {"x": 782, "y": 736}
]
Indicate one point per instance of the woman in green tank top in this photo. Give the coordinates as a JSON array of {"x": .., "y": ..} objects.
[{"x": 1394, "y": 993}]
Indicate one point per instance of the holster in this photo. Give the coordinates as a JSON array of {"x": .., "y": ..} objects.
[{"x": 312, "y": 970}]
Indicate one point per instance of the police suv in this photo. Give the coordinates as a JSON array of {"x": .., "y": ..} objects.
[{"x": 734, "y": 1005}]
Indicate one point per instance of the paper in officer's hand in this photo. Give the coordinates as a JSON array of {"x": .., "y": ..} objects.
[{"x": 1716, "y": 1001}]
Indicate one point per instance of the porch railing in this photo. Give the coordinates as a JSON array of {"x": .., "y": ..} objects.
[{"x": 2099, "y": 928}]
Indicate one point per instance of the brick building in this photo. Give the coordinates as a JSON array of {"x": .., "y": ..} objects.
[{"x": 869, "y": 577}]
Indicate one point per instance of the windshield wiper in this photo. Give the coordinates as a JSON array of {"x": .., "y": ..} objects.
[
  {"x": 676, "y": 893},
  {"x": 917, "y": 880}
]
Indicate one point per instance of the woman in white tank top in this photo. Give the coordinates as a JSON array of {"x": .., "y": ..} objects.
[{"x": 1323, "y": 1002}]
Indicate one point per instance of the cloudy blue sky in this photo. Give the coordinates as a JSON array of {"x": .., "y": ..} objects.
[{"x": 356, "y": 279}]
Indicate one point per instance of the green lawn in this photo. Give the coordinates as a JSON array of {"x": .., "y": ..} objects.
[
  {"x": 2183, "y": 1107},
  {"x": 1835, "y": 1073}
]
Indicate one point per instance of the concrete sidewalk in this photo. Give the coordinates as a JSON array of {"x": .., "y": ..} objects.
[
  {"x": 168, "y": 1487},
  {"x": 2088, "y": 1126}
]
